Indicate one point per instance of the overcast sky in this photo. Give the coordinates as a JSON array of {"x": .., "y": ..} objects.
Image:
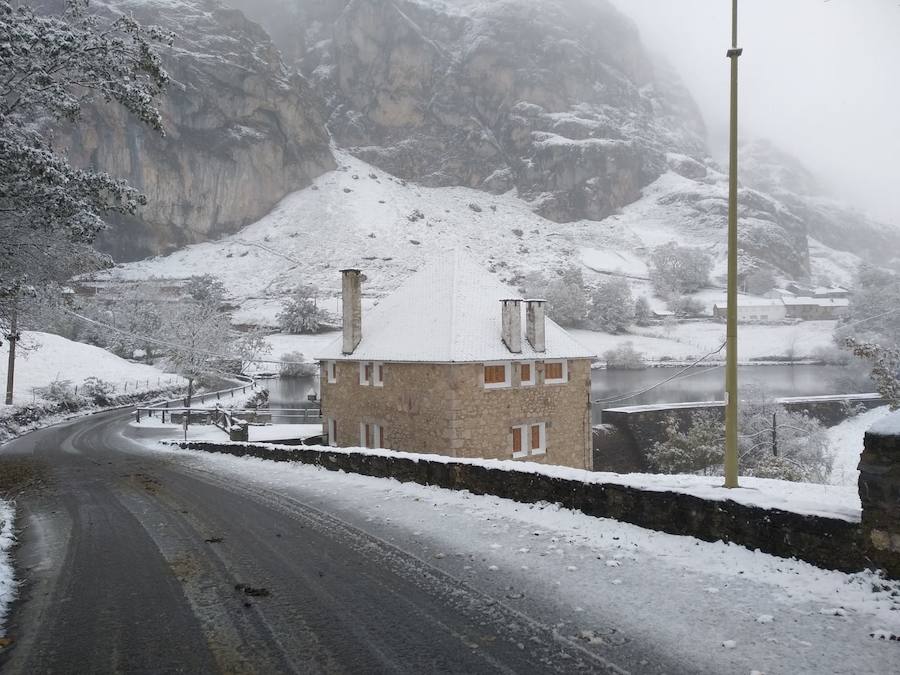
[{"x": 820, "y": 78}]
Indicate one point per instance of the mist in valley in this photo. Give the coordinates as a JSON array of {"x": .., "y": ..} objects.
[{"x": 817, "y": 78}]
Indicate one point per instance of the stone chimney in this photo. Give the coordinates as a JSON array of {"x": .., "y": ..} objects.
[
  {"x": 512, "y": 325},
  {"x": 351, "y": 297},
  {"x": 534, "y": 324}
]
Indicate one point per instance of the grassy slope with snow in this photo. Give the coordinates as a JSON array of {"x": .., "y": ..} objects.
[
  {"x": 359, "y": 216},
  {"x": 47, "y": 357}
]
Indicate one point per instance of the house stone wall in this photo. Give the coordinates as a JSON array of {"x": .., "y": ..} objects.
[{"x": 445, "y": 409}]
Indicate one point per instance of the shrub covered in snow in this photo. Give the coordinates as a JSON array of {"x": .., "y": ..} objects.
[
  {"x": 294, "y": 364},
  {"x": 98, "y": 391},
  {"x": 686, "y": 306},
  {"x": 624, "y": 357},
  {"x": 63, "y": 393}
]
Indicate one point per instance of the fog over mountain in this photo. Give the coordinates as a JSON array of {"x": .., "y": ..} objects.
[
  {"x": 562, "y": 104},
  {"x": 818, "y": 78}
]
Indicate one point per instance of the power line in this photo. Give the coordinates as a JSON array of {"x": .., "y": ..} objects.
[{"x": 659, "y": 384}]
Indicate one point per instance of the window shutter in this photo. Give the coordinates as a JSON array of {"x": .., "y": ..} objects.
[
  {"x": 517, "y": 439},
  {"x": 494, "y": 374},
  {"x": 535, "y": 436},
  {"x": 526, "y": 372}
]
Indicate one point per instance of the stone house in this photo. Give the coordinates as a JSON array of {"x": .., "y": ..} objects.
[{"x": 444, "y": 366}]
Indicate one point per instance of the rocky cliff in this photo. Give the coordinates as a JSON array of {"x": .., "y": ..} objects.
[
  {"x": 241, "y": 132},
  {"x": 555, "y": 99}
]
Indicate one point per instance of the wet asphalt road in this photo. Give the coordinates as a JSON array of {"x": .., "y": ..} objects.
[{"x": 133, "y": 561}]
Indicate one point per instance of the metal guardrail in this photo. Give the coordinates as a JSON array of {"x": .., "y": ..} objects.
[{"x": 310, "y": 415}]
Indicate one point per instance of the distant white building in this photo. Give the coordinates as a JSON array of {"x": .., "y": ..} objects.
[
  {"x": 770, "y": 310},
  {"x": 754, "y": 309},
  {"x": 811, "y": 309}
]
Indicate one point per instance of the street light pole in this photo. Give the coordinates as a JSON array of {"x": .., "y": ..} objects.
[{"x": 731, "y": 382}]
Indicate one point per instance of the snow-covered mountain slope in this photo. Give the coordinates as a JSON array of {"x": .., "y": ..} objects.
[{"x": 359, "y": 216}]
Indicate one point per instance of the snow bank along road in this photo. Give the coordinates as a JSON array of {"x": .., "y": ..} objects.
[{"x": 136, "y": 558}]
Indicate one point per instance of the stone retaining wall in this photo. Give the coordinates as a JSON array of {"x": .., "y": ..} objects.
[
  {"x": 826, "y": 542},
  {"x": 879, "y": 491}
]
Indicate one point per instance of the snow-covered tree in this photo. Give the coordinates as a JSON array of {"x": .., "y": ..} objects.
[
  {"x": 773, "y": 443},
  {"x": 198, "y": 341},
  {"x": 677, "y": 270},
  {"x": 51, "y": 67},
  {"x": 612, "y": 306},
  {"x": 642, "y": 311},
  {"x": 875, "y": 310},
  {"x": 301, "y": 314},
  {"x": 566, "y": 298},
  {"x": 205, "y": 288},
  {"x": 885, "y": 368}
]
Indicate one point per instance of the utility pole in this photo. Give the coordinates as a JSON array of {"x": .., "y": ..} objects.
[
  {"x": 12, "y": 337},
  {"x": 731, "y": 382}
]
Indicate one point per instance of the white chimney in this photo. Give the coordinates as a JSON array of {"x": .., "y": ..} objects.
[
  {"x": 512, "y": 324},
  {"x": 351, "y": 297},
  {"x": 534, "y": 324}
]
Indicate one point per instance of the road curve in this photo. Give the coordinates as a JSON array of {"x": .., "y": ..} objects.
[{"x": 134, "y": 561}]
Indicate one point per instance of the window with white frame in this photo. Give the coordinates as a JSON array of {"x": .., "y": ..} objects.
[
  {"x": 371, "y": 435},
  {"x": 331, "y": 371},
  {"x": 529, "y": 439},
  {"x": 526, "y": 373},
  {"x": 332, "y": 432},
  {"x": 378, "y": 374},
  {"x": 371, "y": 373},
  {"x": 496, "y": 375},
  {"x": 556, "y": 372}
]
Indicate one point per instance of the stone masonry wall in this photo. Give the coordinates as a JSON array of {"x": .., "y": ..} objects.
[
  {"x": 638, "y": 428},
  {"x": 826, "y": 542},
  {"x": 879, "y": 492},
  {"x": 445, "y": 409}
]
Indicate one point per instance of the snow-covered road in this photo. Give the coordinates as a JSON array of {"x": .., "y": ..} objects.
[
  {"x": 711, "y": 606},
  {"x": 247, "y": 565}
]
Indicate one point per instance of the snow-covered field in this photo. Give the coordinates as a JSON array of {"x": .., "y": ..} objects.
[
  {"x": 7, "y": 538},
  {"x": 46, "y": 358},
  {"x": 846, "y": 440},
  {"x": 720, "y": 607}
]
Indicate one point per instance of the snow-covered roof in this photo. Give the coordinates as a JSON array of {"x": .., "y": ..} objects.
[
  {"x": 753, "y": 302},
  {"x": 818, "y": 302},
  {"x": 448, "y": 312},
  {"x": 825, "y": 290}
]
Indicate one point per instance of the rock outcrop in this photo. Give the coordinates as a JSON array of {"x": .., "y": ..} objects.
[
  {"x": 241, "y": 132},
  {"x": 555, "y": 99}
]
